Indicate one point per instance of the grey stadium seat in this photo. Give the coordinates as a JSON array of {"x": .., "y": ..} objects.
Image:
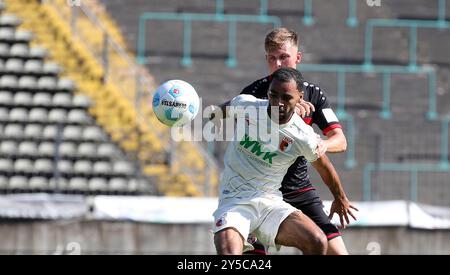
[
  {"x": 118, "y": 185},
  {"x": 57, "y": 116},
  {"x": 78, "y": 183},
  {"x": 4, "y": 181},
  {"x": 78, "y": 116},
  {"x": 14, "y": 65},
  {"x": 6, "y": 98},
  {"x": 58, "y": 184},
  {"x": 81, "y": 101},
  {"x": 65, "y": 166},
  {"x": 66, "y": 84},
  {"x": 8, "y": 148},
  {"x": 27, "y": 148},
  {"x": 18, "y": 50},
  {"x": 8, "y": 81},
  {"x": 107, "y": 150},
  {"x": 23, "y": 99},
  {"x": 4, "y": 49},
  {"x": 87, "y": 149},
  {"x": 4, "y": 114},
  {"x": 22, "y": 35},
  {"x": 27, "y": 82},
  {"x": 46, "y": 149},
  {"x": 67, "y": 149},
  {"x": 123, "y": 168},
  {"x": 14, "y": 131},
  {"x": 38, "y": 52},
  {"x": 46, "y": 83},
  {"x": 43, "y": 166},
  {"x": 23, "y": 166},
  {"x": 38, "y": 115},
  {"x": 18, "y": 182},
  {"x": 101, "y": 168},
  {"x": 62, "y": 100},
  {"x": 18, "y": 115},
  {"x": 33, "y": 131},
  {"x": 51, "y": 68},
  {"x": 50, "y": 132},
  {"x": 98, "y": 185},
  {"x": 42, "y": 99},
  {"x": 72, "y": 132},
  {"x": 6, "y": 166},
  {"x": 9, "y": 20},
  {"x": 93, "y": 133},
  {"x": 38, "y": 183},
  {"x": 7, "y": 33},
  {"x": 33, "y": 66},
  {"x": 82, "y": 167}
]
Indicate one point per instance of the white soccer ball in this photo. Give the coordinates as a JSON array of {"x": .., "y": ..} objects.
[{"x": 175, "y": 103}]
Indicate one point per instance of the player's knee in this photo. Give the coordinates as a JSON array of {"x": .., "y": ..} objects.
[{"x": 318, "y": 244}]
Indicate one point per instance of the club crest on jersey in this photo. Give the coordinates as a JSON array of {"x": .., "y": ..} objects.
[
  {"x": 220, "y": 222},
  {"x": 286, "y": 144}
]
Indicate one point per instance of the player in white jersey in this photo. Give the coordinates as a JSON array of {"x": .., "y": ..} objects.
[{"x": 250, "y": 200}]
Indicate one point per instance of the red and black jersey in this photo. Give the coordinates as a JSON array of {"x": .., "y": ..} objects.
[{"x": 297, "y": 178}]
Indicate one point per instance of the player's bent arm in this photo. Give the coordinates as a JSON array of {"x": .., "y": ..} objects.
[
  {"x": 336, "y": 142},
  {"x": 329, "y": 175}
]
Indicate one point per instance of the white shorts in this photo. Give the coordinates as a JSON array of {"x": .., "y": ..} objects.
[{"x": 261, "y": 216}]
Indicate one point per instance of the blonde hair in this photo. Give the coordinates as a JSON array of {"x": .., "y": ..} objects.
[{"x": 278, "y": 37}]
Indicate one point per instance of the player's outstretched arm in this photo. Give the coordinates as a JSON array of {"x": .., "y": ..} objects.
[{"x": 341, "y": 204}]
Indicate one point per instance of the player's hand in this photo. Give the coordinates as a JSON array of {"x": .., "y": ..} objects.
[
  {"x": 304, "y": 108},
  {"x": 321, "y": 147},
  {"x": 343, "y": 208}
]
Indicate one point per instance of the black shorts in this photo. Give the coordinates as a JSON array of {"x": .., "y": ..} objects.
[{"x": 309, "y": 202}]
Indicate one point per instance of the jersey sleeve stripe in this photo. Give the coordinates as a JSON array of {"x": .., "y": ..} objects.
[{"x": 331, "y": 127}]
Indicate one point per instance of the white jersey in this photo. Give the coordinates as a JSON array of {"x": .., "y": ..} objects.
[{"x": 254, "y": 168}]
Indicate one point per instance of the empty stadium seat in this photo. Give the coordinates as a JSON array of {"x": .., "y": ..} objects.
[
  {"x": 42, "y": 99},
  {"x": 57, "y": 116},
  {"x": 101, "y": 168},
  {"x": 62, "y": 100},
  {"x": 65, "y": 166},
  {"x": 78, "y": 116},
  {"x": 67, "y": 149},
  {"x": 38, "y": 115},
  {"x": 38, "y": 52},
  {"x": 9, "y": 20},
  {"x": 18, "y": 50},
  {"x": 82, "y": 167},
  {"x": 123, "y": 168},
  {"x": 46, "y": 83},
  {"x": 8, "y": 81},
  {"x": 23, "y": 166},
  {"x": 38, "y": 183},
  {"x": 50, "y": 132},
  {"x": 33, "y": 131},
  {"x": 60, "y": 184},
  {"x": 87, "y": 149},
  {"x": 14, "y": 65},
  {"x": 98, "y": 185},
  {"x": 27, "y": 82},
  {"x": 51, "y": 68},
  {"x": 6, "y": 98},
  {"x": 18, "y": 183},
  {"x": 78, "y": 184},
  {"x": 81, "y": 101},
  {"x": 13, "y": 131},
  {"x": 6, "y": 166},
  {"x": 72, "y": 133},
  {"x": 46, "y": 149},
  {"x": 33, "y": 66},
  {"x": 93, "y": 133},
  {"x": 118, "y": 185},
  {"x": 4, "y": 49},
  {"x": 65, "y": 84},
  {"x": 4, "y": 114},
  {"x": 8, "y": 148},
  {"x": 23, "y": 99},
  {"x": 4, "y": 181},
  {"x": 27, "y": 148},
  {"x": 6, "y": 34},
  {"x": 43, "y": 166},
  {"x": 106, "y": 150},
  {"x": 23, "y": 36},
  {"x": 18, "y": 115}
]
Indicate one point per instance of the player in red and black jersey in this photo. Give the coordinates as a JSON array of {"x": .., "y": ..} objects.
[{"x": 281, "y": 47}]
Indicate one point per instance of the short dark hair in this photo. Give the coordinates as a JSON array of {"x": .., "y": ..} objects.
[{"x": 287, "y": 74}]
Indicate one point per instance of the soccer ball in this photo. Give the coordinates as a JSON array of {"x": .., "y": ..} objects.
[{"x": 175, "y": 103}]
